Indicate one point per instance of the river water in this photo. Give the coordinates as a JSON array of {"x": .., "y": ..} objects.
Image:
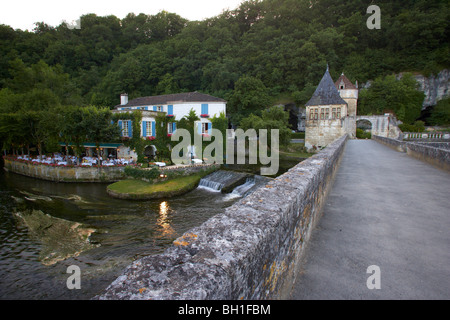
[{"x": 125, "y": 231}]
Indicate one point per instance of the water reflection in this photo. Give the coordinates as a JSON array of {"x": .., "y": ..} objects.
[{"x": 163, "y": 220}]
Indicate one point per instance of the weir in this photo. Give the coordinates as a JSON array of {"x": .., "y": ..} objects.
[
  {"x": 237, "y": 184},
  {"x": 223, "y": 181}
]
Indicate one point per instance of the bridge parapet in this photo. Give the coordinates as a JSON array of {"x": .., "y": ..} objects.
[{"x": 435, "y": 153}]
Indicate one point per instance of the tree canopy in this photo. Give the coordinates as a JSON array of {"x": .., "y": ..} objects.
[{"x": 254, "y": 56}]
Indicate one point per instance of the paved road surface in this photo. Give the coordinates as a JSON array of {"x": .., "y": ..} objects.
[{"x": 388, "y": 209}]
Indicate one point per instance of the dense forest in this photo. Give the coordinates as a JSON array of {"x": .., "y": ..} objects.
[{"x": 276, "y": 50}]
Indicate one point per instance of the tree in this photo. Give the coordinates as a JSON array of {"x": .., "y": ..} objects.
[
  {"x": 99, "y": 127},
  {"x": 389, "y": 94},
  {"x": 274, "y": 118},
  {"x": 188, "y": 123},
  {"x": 250, "y": 96},
  {"x": 440, "y": 115}
]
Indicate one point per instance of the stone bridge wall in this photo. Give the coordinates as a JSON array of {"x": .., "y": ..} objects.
[
  {"x": 437, "y": 154},
  {"x": 251, "y": 251}
]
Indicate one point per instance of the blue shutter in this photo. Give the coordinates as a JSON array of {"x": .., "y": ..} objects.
[
  {"x": 153, "y": 129},
  {"x": 144, "y": 128},
  {"x": 174, "y": 127},
  {"x": 130, "y": 128},
  {"x": 154, "y": 108},
  {"x": 209, "y": 128},
  {"x": 121, "y": 127},
  {"x": 146, "y": 108},
  {"x": 170, "y": 109},
  {"x": 199, "y": 128},
  {"x": 204, "y": 108}
]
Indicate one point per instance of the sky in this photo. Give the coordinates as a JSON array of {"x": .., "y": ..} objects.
[{"x": 22, "y": 14}]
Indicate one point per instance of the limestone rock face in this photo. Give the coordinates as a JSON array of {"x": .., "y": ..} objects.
[{"x": 435, "y": 87}]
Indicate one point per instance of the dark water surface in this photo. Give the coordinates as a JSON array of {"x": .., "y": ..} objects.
[{"x": 126, "y": 230}]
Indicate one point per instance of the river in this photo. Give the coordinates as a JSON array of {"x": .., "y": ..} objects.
[{"x": 125, "y": 231}]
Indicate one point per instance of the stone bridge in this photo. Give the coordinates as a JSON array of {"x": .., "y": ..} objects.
[
  {"x": 383, "y": 126},
  {"x": 318, "y": 232}
]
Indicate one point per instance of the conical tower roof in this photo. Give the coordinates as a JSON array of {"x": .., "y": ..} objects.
[{"x": 326, "y": 93}]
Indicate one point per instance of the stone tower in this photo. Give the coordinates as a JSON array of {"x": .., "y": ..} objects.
[
  {"x": 326, "y": 115},
  {"x": 349, "y": 92}
]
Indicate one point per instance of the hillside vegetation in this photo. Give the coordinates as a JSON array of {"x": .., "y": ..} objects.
[{"x": 259, "y": 54}]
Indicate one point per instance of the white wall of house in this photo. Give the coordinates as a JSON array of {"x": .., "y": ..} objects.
[{"x": 183, "y": 108}]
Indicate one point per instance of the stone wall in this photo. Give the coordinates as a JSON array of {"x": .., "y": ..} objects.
[
  {"x": 251, "y": 251},
  {"x": 437, "y": 154},
  {"x": 65, "y": 174},
  {"x": 395, "y": 144},
  {"x": 189, "y": 169}
]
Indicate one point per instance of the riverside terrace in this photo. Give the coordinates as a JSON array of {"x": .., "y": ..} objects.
[{"x": 60, "y": 160}]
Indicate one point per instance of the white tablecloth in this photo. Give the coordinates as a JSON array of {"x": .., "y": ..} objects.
[{"x": 160, "y": 164}]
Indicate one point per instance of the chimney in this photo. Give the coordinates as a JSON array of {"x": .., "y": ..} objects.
[{"x": 123, "y": 99}]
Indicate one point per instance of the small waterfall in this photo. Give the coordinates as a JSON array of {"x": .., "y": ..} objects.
[
  {"x": 216, "y": 181},
  {"x": 243, "y": 188},
  {"x": 250, "y": 185},
  {"x": 210, "y": 185}
]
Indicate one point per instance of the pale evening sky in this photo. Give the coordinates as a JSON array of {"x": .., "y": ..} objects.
[{"x": 22, "y": 14}]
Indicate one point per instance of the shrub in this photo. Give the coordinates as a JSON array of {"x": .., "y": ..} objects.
[
  {"x": 361, "y": 134},
  {"x": 142, "y": 174}
]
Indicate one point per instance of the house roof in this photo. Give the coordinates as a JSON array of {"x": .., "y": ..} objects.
[
  {"x": 171, "y": 98},
  {"x": 343, "y": 80},
  {"x": 326, "y": 93}
]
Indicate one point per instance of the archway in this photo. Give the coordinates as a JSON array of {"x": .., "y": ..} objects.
[
  {"x": 150, "y": 151},
  {"x": 364, "y": 129}
]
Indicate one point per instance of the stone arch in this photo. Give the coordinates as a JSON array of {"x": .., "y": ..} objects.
[
  {"x": 150, "y": 151},
  {"x": 383, "y": 126}
]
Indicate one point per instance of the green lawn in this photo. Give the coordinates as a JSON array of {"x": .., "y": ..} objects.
[{"x": 138, "y": 189}]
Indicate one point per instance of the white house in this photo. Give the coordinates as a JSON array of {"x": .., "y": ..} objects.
[{"x": 175, "y": 105}]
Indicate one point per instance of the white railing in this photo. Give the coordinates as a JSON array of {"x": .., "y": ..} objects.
[{"x": 426, "y": 135}]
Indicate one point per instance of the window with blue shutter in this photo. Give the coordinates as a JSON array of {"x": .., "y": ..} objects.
[
  {"x": 204, "y": 108},
  {"x": 144, "y": 128},
  {"x": 121, "y": 127}
]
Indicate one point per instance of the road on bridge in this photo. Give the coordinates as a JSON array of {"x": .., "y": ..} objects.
[{"x": 385, "y": 209}]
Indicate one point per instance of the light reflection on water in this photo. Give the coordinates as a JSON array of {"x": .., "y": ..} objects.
[{"x": 126, "y": 230}]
